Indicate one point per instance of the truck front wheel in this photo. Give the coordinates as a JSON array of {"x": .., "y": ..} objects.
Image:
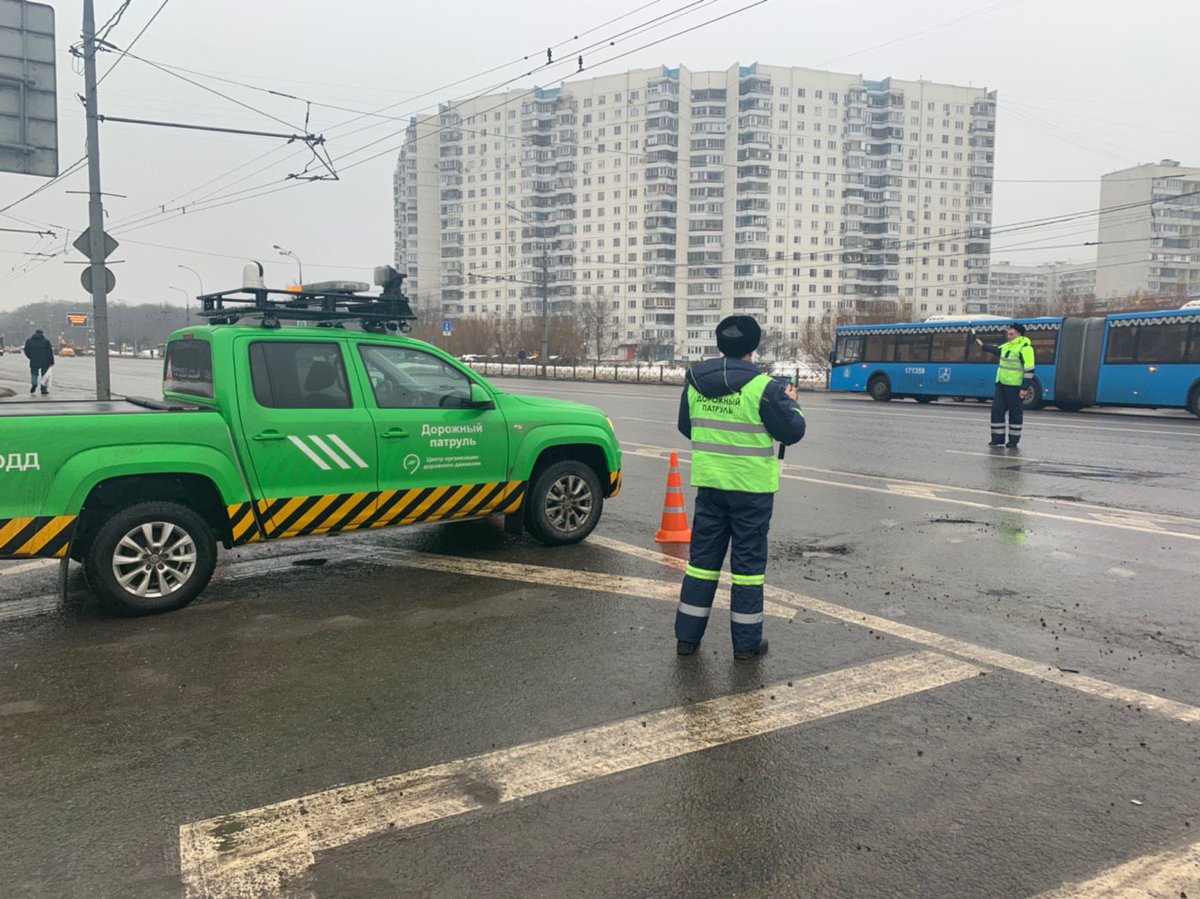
[
  {"x": 564, "y": 504},
  {"x": 151, "y": 557}
]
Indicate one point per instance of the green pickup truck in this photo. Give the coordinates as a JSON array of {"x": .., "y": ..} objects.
[{"x": 268, "y": 431}]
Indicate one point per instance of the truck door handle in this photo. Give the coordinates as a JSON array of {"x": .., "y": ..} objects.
[
  {"x": 394, "y": 432},
  {"x": 269, "y": 435}
]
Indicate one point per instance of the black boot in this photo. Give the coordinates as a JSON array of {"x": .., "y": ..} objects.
[
  {"x": 1012, "y": 444},
  {"x": 683, "y": 648},
  {"x": 746, "y": 656}
]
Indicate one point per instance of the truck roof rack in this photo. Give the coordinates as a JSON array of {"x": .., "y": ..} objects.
[{"x": 330, "y": 303}]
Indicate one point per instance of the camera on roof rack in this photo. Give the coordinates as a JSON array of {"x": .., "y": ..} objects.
[{"x": 328, "y": 303}]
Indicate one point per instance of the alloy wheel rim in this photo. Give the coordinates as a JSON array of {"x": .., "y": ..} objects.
[
  {"x": 569, "y": 503},
  {"x": 154, "y": 560}
]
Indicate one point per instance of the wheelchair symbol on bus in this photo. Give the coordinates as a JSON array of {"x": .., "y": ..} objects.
[{"x": 943, "y": 375}]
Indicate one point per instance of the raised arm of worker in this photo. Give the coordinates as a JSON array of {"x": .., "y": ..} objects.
[
  {"x": 992, "y": 348},
  {"x": 781, "y": 413}
]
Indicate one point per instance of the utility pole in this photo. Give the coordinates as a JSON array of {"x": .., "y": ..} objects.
[
  {"x": 95, "y": 203},
  {"x": 545, "y": 302}
]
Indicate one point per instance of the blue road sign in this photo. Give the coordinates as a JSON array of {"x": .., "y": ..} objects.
[{"x": 446, "y": 328}]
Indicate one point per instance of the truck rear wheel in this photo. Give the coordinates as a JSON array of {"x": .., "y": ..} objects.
[
  {"x": 564, "y": 504},
  {"x": 151, "y": 557}
]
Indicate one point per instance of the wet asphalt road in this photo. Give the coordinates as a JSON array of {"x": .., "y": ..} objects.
[{"x": 898, "y": 536}]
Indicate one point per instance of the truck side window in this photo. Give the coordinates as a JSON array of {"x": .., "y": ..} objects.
[
  {"x": 188, "y": 368},
  {"x": 288, "y": 375},
  {"x": 402, "y": 378}
]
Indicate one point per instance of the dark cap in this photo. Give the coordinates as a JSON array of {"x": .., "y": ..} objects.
[
  {"x": 738, "y": 336},
  {"x": 1018, "y": 327},
  {"x": 38, "y": 331}
]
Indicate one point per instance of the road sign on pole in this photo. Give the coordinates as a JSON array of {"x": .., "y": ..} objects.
[
  {"x": 78, "y": 319},
  {"x": 83, "y": 243},
  {"x": 28, "y": 90},
  {"x": 447, "y": 328},
  {"x": 110, "y": 280}
]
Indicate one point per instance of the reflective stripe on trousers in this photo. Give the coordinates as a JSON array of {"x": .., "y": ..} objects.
[{"x": 722, "y": 517}]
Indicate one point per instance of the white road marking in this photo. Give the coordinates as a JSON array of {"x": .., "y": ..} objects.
[
  {"x": 262, "y": 851},
  {"x": 1166, "y": 875},
  {"x": 48, "y": 603},
  {"x": 327, "y": 450},
  {"x": 992, "y": 658},
  {"x": 28, "y": 608},
  {"x": 303, "y": 447},
  {"x": 596, "y": 582},
  {"x": 28, "y": 566},
  {"x": 1140, "y": 522},
  {"x": 345, "y": 448}
]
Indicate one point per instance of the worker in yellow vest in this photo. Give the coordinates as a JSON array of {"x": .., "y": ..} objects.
[
  {"x": 733, "y": 414},
  {"x": 1014, "y": 384}
]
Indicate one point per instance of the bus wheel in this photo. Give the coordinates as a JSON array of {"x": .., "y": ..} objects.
[
  {"x": 1035, "y": 401},
  {"x": 959, "y": 399},
  {"x": 924, "y": 399},
  {"x": 880, "y": 388},
  {"x": 1194, "y": 401},
  {"x": 1069, "y": 407}
]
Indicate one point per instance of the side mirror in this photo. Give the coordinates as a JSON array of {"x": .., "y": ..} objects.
[{"x": 480, "y": 398}]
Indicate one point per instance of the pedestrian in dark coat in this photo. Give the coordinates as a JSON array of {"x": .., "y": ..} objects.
[{"x": 40, "y": 353}]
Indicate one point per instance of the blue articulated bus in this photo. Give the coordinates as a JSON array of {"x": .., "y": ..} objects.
[{"x": 1148, "y": 359}]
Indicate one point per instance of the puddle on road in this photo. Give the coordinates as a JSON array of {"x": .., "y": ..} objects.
[
  {"x": 1091, "y": 472},
  {"x": 813, "y": 550}
]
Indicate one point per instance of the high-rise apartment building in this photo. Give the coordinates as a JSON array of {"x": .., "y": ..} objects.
[
  {"x": 1150, "y": 232},
  {"x": 1043, "y": 289},
  {"x": 678, "y": 197}
]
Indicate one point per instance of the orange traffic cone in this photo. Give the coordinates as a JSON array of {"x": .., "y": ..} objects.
[{"x": 675, "y": 527}]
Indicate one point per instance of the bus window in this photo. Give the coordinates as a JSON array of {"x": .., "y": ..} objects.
[
  {"x": 849, "y": 350},
  {"x": 949, "y": 347},
  {"x": 1163, "y": 344},
  {"x": 879, "y": 348},
  {"x": 1044, "y": 345},
  {"x": 912, "y": 347},
  {"x": 1193, "y": 354},
  {"x": 1121, "y": 342},
  {"x": 975, "y": 352}
]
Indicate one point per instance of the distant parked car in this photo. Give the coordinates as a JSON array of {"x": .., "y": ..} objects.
[{"x": 67, "y": 351}]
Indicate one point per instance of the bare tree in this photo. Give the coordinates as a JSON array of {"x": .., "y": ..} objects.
[
  {"x": 818, "y": 338},
  {"x": 597, "y": 321}
]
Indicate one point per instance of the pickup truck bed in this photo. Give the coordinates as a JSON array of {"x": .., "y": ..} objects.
[{"x": 128, "y": 406}]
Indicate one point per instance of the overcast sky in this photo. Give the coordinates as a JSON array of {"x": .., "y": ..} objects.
[{"x": 1085, "y": 87}]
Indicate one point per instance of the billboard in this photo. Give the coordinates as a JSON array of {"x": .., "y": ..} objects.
[{"x": 28, "y": 102}]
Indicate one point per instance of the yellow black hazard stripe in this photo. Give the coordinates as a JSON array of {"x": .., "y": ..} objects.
[
  {"x": 614, "y": 483},
  {"x": 303, "y": 516},
  {"x": 43, "y": 537}
]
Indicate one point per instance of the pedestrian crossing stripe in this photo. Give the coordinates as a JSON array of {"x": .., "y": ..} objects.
[
  {"x": 46, "y": 536},
  {"x": 303, "y": 516}
]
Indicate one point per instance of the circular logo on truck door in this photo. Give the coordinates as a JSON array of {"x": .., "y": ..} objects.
[{"x": 411, "y": 463}]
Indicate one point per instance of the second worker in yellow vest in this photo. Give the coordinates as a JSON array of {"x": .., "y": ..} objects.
[{"x": 1014, "y": 383}]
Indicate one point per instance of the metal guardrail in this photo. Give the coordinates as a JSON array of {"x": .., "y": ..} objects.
[{"x": 610, "y": 373}]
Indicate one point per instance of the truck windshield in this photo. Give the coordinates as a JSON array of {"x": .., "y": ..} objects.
[{"x": 188, "y": 368}]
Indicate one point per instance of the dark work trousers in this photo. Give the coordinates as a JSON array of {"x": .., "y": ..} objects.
[
  {"x": 722, "y": 515},
  {"x": 1007, "y": 399}
]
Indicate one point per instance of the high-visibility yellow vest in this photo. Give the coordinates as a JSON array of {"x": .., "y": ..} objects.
[
  {"x": 1016, "y": 358},
  {"x": 731, "y": 448}
]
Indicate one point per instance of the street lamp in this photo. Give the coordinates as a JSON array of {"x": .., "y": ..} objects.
[
  {"x": 199, "y": 280},
  {"x": 545, "y": 283},
  {"x": 299, "y": 265},
  {"x": 187, "y": 302}
]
